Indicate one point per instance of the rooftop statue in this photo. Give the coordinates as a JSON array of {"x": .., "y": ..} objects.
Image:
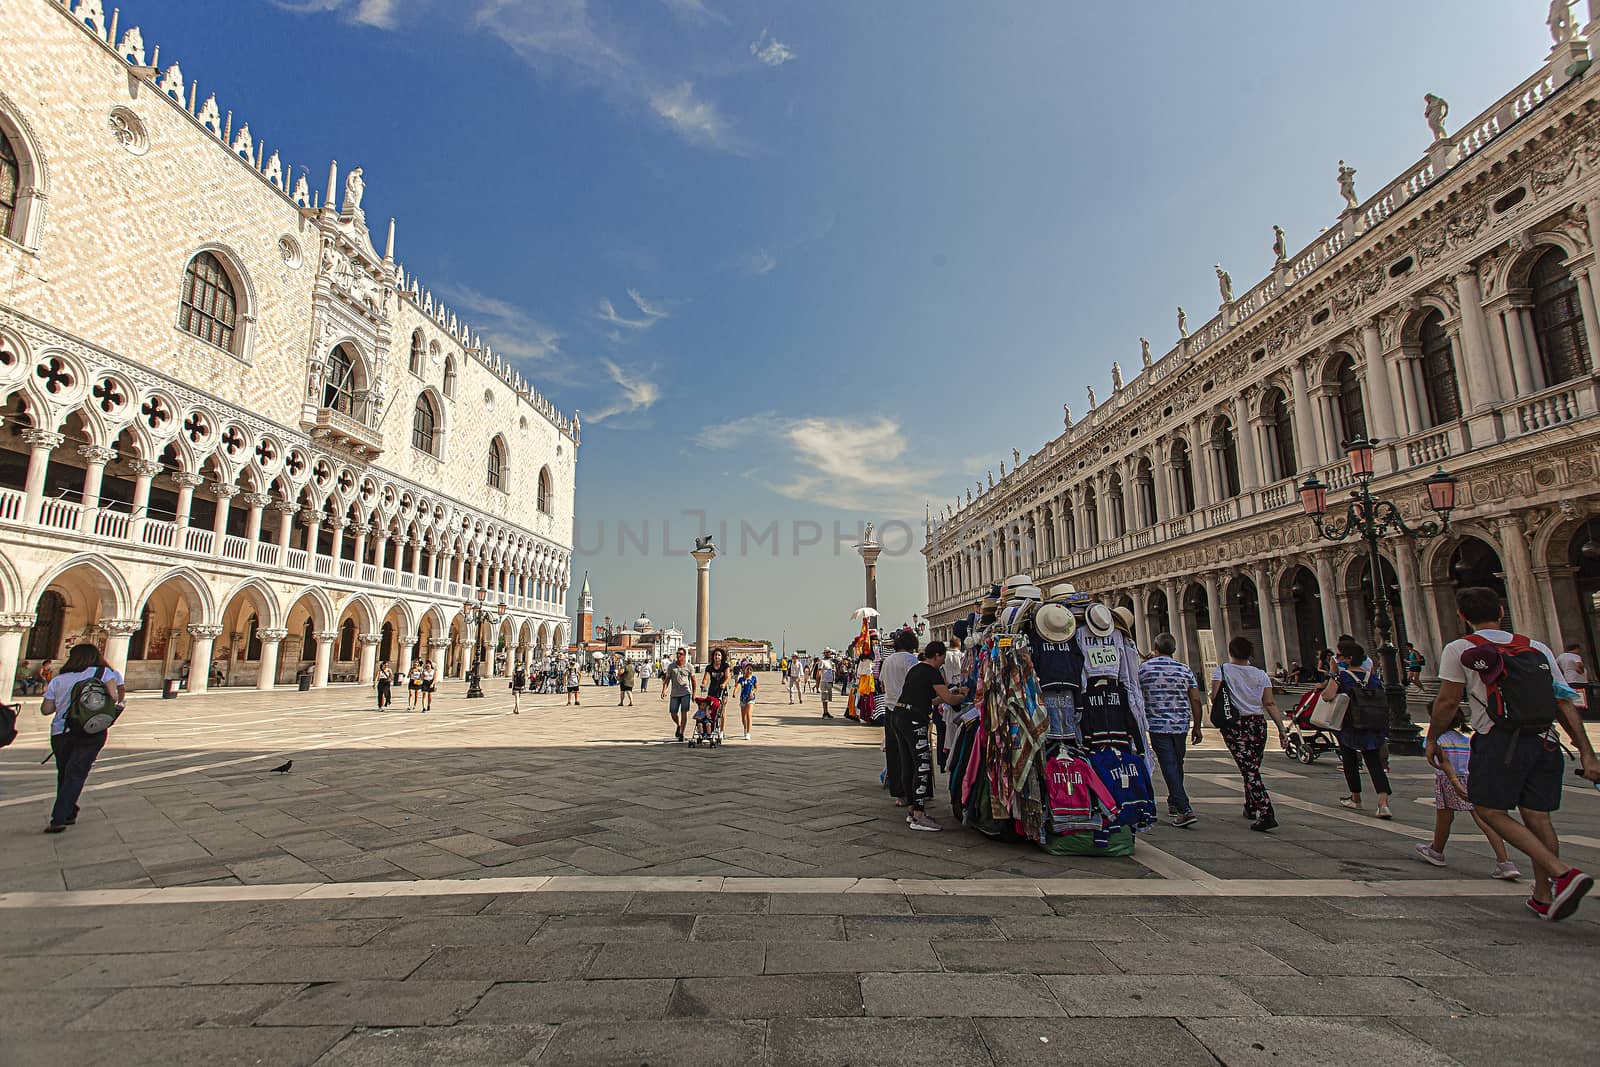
[
  {"x": 1434, "y": 110},
  {"x": 354, "y": 188},
  {"x": 1280, "y": 245},
  {"x": 1347, "y": 186},
  {"x": 1225, "y": 284},
  {"x": 1144, "y": 351},
  {"x": 1183, "y": 323},
  {"x": 1116, "y": 375}
]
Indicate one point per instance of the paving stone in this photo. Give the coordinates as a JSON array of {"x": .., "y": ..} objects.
[
  {"x": 1141, "y": 995},
  {"x": 874, "y": 1043},
  {"x": 215, "y": 1047},
  {"x": 1073, "y": 907},
  {"x": 46, "y": 1010},
  {"x": 600, "y": 929},
  {"x": 1494, "y": 1042},
  {"x": 509, "y": 963},
  {"x": 1087, "y": 927},
  {"x": 1267, "y": 931},
  {"x": 569, "y": 1001},
  {"x": 331, "y": 964},
  {"x": 931, "y": 904},
  {"x": 703, "y": 1042},
  {"x": 377, "y": 1003},
  {"x": 768, "y": 928},
  {"x": 165, "y": 1008},
  {"x": 1401, "y": 959},
  {"x": 1180, "y": 957},
  {"x": 667, "y": 960},
  {"x": 1309, "y": 1042},
  {"x": 806, "y": 996},
  {"x": 698, "y": 904},
  {"x": 932, "y": 995},
  {"x": 322, "y": 932},
  {"x": 405, "y": 905},
  {"x": 459, "y": 930},
  {"x": 920, "y": 928},
  {"x": 1507, "y": 959},
  {"x": 1022, "y": 957},
  {"x": 1345, "y": 995},
  {"x": 480, "y": 1046},
  {"x": 1085, "y": 1042},
  {"x": 203, "y": 967},
  {"x": 1522, "y": 995},
  {"x": 850, "y": 957},
  {"x": 839, "y": 904}
]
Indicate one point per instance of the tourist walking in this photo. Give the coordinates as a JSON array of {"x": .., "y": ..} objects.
[
  {"x": 414, "y": 685},
  {"x": 1516, "y": 700},
  {"x": 1450, "y": 796},
  {"x": 1241, "y": 700},
  {"x": 574, "y": 680},
  {"x": 797, "y": 674},
  {"x": 918, "y": 689},
  {"x": 86, "y": 683},
  {"x": 891, "y": 677},
  {"x": 1172, "y": 705},
  {"x": 429, "y": 677},
  {"x": 747, "y": 696},
  {"x": 1413, "y": 661},
  {"x": 825, "y": 671},
  {"x": 519, "y": 682},
  {"x": 679, "y": 679},
  {"x": 385, "y": 685},
  {"x": 1366, "y": 724},
  {"x": 716, "y": 684},
  {"x": 630, "y": 678}
]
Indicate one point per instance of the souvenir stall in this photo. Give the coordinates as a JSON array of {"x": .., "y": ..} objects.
[{"x": 1053, "y": 747}]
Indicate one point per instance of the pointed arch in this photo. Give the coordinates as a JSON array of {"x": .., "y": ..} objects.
[
  {"x": 102, "y": 574},
  {"x": 323, "y": 612},
  {"x": 202, "y": 606},
  {"x": 262, "y": 596}
]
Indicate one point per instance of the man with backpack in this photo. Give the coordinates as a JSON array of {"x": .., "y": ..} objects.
[
  {"x": 1516, "y": 695},
  {"x": 83, "y": 701}
]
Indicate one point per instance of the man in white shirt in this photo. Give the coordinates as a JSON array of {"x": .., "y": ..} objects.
[
  {"x": 891, "y": 679},
  {"x": 797, "y": 680},
  {"x": 1509, "y": 768},
  {"x": 1572, "y": 666}
]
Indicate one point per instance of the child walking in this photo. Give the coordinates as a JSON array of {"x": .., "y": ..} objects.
[
  {"x": 1450, "y": 796},
  {"x": 747, "y": 696}
]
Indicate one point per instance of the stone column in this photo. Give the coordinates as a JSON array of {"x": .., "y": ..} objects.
[
  {"x": 144, "y": 472},
  {"x": 12, "y": 626},
  {"x": 1411, "y": 392},
  {"x": 1517, "y": 560},
  {"x": 1411, "y": 601},
  {"x": 311, "y": 519},
  {"x": 1161, "y": 476},
  {"x": 1591, "y": 213},
  {"x": 271, "y": 641},
  {"x": 1328, "y": 420},
  {"x": 868, "y": 550},
  {"x": 285, "y": 510},
  {"x": 402, "y": 659},
  {"x": 117, "y": 632},
  {"x": 1475, "y": 341},
  {"x": 702, "y": 597},
  {"x": 436, "y": 646},
  {"x": 202, "y": 638},
  {"x": 40, "y": 444},
  {"x": 252, "y": 522},
  {"x": 1218, "y": 609},
  {"x": 1322, "y": 563},
  {"x": 219, "y": 527},
  {"x": 1305, "y": 434},
  {"x": 360, "y": 529},
  {"x": 1591, "y": 317},
  {"x": 186, "y": 483},
  {"x": 1244, "y": 434},
  {"x": 1522, "y": 368},
  {"x": 336, "y": 525},
  {"x": 319, "y": 675},
  {"x": 1383, "y": 401},
  {"x": 1271, "y": 625},
  {"x": 95, "y": 458},
  {"x": 367, "y": 667},
  {"x": 1200, "y": 463}
]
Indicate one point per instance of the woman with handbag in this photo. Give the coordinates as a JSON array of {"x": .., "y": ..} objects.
[
  {"x": 1241, "y": 700},
  {"x": 1365, "y": 729}
]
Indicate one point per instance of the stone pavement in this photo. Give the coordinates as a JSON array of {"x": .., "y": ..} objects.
[{"x": 561, "y": 887}]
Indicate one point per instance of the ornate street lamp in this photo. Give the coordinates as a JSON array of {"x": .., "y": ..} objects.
[
  {"x": 474, "y": 614},
  {"x": 1372, "y": 518}
]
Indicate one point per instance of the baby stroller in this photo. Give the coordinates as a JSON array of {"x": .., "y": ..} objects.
[
  {"x": 1306, "y": 740},
  {"x": 707, "y": 722}
]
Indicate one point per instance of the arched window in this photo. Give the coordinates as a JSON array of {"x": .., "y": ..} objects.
[
  {"x": 347, "y": 641},
  {"x": 1439, "y": 371},
  {"x": 417, "y": 354},
  {"x": 449, "y": 377},
  {"x": 1352, "y": 412},
  {"x": 141, "y": 636},
  {"x": 497, "y": 463},
  {"x": 209, "y": 307},
  {"x": 1119, "y": 516},
  {"x": 308, "y": 640},
  {"x": 1558, "y": 320},
  {"x": 1182, "y": 479},
  {"x": 44, "y": 639},
  {"x": 1226, "y": 443},
  {"x": 252, "y": 639},
  {"x": 1145, "y": 488},
  {"x": 1281, "y": 428},
  {"x": 1091, "y": 517},
  {"x": 425, "y": 426},
  {"x": 339, "y": 381},
  {"x": 1069, "y": 531},
  {"x": 544, "y": 491},
  {"x": 10, "y": 181}
]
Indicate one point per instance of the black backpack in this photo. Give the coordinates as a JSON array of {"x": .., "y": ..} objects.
[
  {"x": 1369, "y": 708},
  {"x": 8, "y": 723},
  {"x": 1524, "y": 697}
]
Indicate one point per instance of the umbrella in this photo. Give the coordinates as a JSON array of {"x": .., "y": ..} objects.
[{"x": 864, "y": 613}]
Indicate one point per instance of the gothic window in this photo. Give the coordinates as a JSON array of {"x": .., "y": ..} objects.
[
  {"x": 1439, "y": 371},
  {"x": 252, "y": 640},
  {"x": 10, "y": 179},
  {"x": 425, "y": 426},
  {"x": 1182, "y": 479},
  {"x": 1226, "y": 444},
  {"x": 1281, "y": 428},
  {"x": 1145, "y": 483},
  {"x": 418, "y": 360},
  {"x": 141, "y": 636},
  {"x": 347, "y": 641},
  {"x": 497, "y": 464},
  {"x": 449, "y": 377},
  {"x": 1558, "y": 320},
  {"x": 1352, "y": 412},
  {"x": 339, "y": 381},
  {"x": 544, "y": 490},
  {"x": 209, "y": 306},
  {"x": 308, "y": 640},
  {"x": 1091, "y": 517},
  {"x": 1119, "y": 523}
]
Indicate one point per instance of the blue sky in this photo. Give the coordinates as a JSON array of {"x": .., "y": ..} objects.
[{"x": 810, "y": 264}]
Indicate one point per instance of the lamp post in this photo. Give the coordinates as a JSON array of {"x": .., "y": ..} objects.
[
  {"x": 1371, "y": 518},
  {"x": 474, "y": 614}
]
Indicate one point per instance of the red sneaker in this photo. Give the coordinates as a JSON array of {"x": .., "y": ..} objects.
[
  {"x": 1539, "y": 908},
  {"x": 1566, "y": 891}
]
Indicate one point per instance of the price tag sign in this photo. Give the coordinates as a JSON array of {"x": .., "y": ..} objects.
[
  {"x": 1103, "y": 656},
  {"x": 1002, "y": 642}
]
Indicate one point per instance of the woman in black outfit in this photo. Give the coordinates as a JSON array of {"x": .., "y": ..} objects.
[{"x": 716, "y": 680}]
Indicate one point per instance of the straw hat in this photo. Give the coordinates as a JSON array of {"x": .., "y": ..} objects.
[
  {"x": 1062, "y": 590},
  {"x": 1099, "y": 619},
  {"x": 1054, "y": 622},
  {"x": 1124, "y": 619}
]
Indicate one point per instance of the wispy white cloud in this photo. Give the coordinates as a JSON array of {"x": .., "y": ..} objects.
[
  {"x": 654, "y": 309},
  {"x": 513, "y": 331},
  {"x": 831, "y": 461},
  {"x": 695, "y": 118},
  {"x": 635, "y": 393},
  {"x": 652, "y": 313},
  {"x": 771, "y": 51},
  {"x": 379, "y": 14},
  {"x": 694, "y": 9},
  {"x": 759, "y": 262}
]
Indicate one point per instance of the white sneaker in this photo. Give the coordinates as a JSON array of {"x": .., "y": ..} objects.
[
  {"x": 920, "y": 821},
  {"x": 1427, "y": 854},
  {"x": 747, "y": 735}
]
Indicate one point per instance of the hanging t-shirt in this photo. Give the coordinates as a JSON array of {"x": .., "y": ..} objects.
[
  {"x": 1057, "y": 663},
  {"x": 1127, "y": 776},
  {"x": 1105, "y": 717}
]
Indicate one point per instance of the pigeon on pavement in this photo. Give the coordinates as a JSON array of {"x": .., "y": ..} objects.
[{"x": 283, "y": 769}]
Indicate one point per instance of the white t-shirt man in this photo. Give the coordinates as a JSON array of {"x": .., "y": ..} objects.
[
  {"x": 1452, "y": 670},
  {"x": 893, "y": 673},
  {"x": 1573, "y": 668},
  {"x": 60, "y": 691},
  {"x": 1247, "y": 684}
]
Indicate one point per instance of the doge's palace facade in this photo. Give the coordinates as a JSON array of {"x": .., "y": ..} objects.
[
  {"x": 1452, "y": 316},
  {"x": 236, "y": 432}
]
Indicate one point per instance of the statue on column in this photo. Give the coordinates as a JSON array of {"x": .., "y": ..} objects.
[
  {"x": 1144, "y": 351},
  {"x": 1066, "y": 415},
  {"x": 1434, "y": 109},
  {"x": 1116, "y": 376},
  {"x": 1280, "y": 245},
  {"x": 1183, "y": 322},
  {"x": 969, "y": 495},
  {"x": 1347, "y": 186},
  {"x": 1560, "y": 21},
  {"x": 1016, "y": 458},
  {"x": 1002, "y": 470},
  {"x": 1091, "y": 397},
  {"x": 1224, "y": 284},
  {"x": 354, "y": 188},
  {"x": 991, "y": 479}
]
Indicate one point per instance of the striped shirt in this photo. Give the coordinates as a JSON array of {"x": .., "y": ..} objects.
[{"x": 1166, "y": 684}]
